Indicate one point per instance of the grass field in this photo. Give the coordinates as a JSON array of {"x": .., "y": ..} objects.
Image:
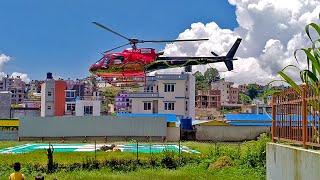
[{"x": 247, "y": 163}]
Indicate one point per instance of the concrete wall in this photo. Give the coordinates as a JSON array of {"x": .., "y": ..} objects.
[
  {"x": 8, "y": 135},
  {"x": 289, "y": 162},
  {"x": 17, "y": 113},
  {"x": 229, "y": 133},
  {"x": 5, "y": 104},
  {"x": 173, "y": 134},
  {"x": 70, "y": 126}
]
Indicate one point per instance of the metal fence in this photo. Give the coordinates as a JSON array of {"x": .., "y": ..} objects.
[{"x": 295, "y": 116}]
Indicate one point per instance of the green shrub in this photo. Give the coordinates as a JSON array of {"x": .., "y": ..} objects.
[
  {"x": 168, "y": 160},
  {"x": 254, "y": 152}
]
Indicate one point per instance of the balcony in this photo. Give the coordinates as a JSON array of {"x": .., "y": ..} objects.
[{"x": 144, "y": 95}]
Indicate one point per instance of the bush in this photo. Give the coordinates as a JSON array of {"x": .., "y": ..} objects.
[
  {"x": 168, "y": 160},
  {"x": 222, "y": 162},
  {"x": 254, "y": 152}
]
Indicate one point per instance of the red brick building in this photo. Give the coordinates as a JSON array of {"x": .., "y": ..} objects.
[{"x": 208, "y": 99}]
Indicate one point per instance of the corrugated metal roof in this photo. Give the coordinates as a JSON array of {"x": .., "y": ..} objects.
[
  {"x": 249, "y": 119},
  {"x": 256, "y": 117},
  {"x": 169, "y": 117}
]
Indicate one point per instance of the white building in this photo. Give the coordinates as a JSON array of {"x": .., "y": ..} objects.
[
  {"x": 87, "y": 108},
  {"x": 166, "y": 94},
  {"x": 16, "y": 86}
]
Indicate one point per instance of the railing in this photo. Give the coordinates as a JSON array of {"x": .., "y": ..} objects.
[
  {"x": 295, "y": 116},
  {"x": 143, "y": 94}
]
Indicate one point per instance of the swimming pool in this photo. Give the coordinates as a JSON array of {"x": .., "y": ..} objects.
[{"x": 142, "y": 148}]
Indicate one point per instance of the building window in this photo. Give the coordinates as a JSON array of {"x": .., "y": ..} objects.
[
  {"x": 149, "y": 89},
  {"x": 169, "y": 106},
  {"x": 71, "y": 107},
  {"x": 49, "y": 107},
  {"x": 168, "y": 87},
  {"x": 147, "y": 106},
  {"x": 186, "y": 105},
  {"x": 88, "y": 110},
  {"x": 70, "y": 94},
  {"x": 49, "y": 93}
]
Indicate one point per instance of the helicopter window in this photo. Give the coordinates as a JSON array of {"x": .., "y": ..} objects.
[
  {"x": 145, "y": 51},
  {"x": 118, "y": 59}
]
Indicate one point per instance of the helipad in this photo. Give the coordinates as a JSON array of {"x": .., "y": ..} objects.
[{"x": 142, "y": 148}]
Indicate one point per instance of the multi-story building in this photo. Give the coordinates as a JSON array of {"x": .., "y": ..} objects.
[
  {"x": 59, "y": 97},
  {"x": 16, "y": 86},
  {"x": 243, "y": 88},
  {"x": 122, "y": 103},
  {"x": 53, "y": 97},
  {"x": 165, "y": 94},
  {"x": 229, "y": 94},
  {"x": 233, "y": 95},
  {"x": 35, "y": 86},
  {"x": 208, "y": 99}
]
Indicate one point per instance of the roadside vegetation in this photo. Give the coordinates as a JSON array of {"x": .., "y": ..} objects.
[{"x": 216, "y": 161}]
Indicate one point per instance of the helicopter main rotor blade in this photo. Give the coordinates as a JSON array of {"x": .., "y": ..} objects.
[
  {"x": 110, "y": 30},
  {"x": 176, "y": 40},
  {"x": 116, "y": 47}
]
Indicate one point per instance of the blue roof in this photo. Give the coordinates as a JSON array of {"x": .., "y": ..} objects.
[
  {"x": 169, "y": 117},
  {"x": 294, "y": 117},
  {"x": 255, "y": 117},
  {"x": 261, "y": 119},
  {"x": 249, "y": 119}
]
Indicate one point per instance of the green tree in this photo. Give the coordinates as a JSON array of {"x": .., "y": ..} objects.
[
  {"x": 109, "y": 94},
  {"x": 252, "y": 91},
  {"x": 211, "y": 75},
  {"x": 244, "y": 99},
  {"x": 201, "y": 83}
]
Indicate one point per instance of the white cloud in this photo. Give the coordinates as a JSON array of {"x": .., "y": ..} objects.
[
  {"x": 23, "y": 77},
  {"x": 3, "y": 60},
  {"x": 271, "y": 31}
]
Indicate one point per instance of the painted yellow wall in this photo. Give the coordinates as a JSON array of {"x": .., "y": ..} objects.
[{"x": 9, "y": 122}]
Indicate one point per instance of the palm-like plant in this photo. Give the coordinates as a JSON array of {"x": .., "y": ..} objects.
[{"x": 311, "y": 75}]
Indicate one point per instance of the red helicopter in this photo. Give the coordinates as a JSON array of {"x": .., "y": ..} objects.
[{"x": 131, "y": 65}]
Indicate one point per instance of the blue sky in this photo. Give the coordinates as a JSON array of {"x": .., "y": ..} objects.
[{"x": 58, "y": 36}]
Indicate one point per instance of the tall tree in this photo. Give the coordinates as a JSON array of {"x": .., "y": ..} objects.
[
  {"x": 201, "y": 83},
  {"x": 211, "y": 75},
  {"x": 244, "y": 99},
  {"x": 252, "y": 91},
  {"x": 110, "y": 93}
]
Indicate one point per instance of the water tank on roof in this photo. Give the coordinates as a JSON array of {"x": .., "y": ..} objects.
[
  {"x": 49, "y": 75},
  {"x": 186, "y": 123}
]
